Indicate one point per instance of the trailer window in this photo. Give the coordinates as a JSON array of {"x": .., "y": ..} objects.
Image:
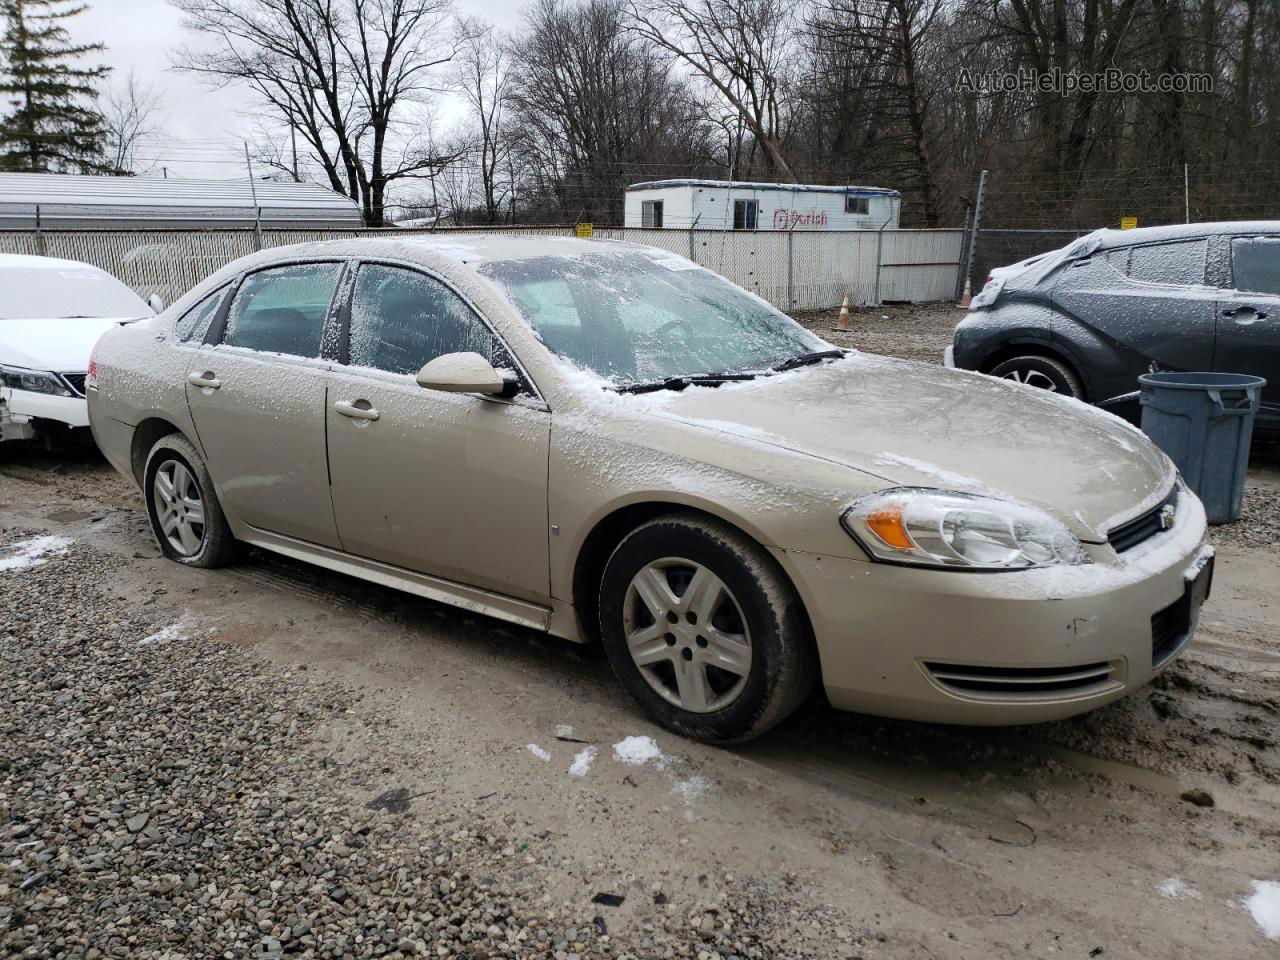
[
  {"x": 745, "y": 214},
  {"x": 854, "y": 204},
  {"x": 651, "y": 214}
]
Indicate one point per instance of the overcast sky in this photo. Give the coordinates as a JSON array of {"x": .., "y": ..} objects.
[{"x": 204, "y": 127}]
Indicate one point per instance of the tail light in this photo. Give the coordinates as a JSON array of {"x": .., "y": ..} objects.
[{"x": 91, "y": 377}]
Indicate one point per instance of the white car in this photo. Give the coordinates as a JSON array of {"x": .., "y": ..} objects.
[{"x": 52, "y": 312}]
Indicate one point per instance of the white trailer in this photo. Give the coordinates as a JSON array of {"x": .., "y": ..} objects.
[{"x": 728, "y": 205}]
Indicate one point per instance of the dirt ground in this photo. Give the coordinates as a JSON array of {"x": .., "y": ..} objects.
[{"x": 837, "y": 835}]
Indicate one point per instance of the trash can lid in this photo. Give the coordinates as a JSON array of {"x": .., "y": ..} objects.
[{"x": 1202, "y": 381}]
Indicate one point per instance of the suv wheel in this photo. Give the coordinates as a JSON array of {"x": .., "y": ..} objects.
[
  {"x": 703, "y": 630},
  {"x": 1042, "y": 372},
  {"x": 185, "y": 515}
]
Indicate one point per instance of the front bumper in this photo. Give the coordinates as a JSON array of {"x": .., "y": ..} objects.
[
  {"x": 1009, "y": 647},
  {"x": 24, "y": 406}
]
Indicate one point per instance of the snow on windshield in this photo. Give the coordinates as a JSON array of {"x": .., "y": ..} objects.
[
  {"x": 56, "y": 292},
  {"x": 643, "y": 316}
]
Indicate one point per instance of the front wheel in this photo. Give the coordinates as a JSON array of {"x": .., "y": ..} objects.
[
  {"x": 703, "y": 630},
  {"x": 1044, "y": 373},
  {"x": 185, "y": 515}
]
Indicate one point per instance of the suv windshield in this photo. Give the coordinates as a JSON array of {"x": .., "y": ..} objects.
[
  {"x": 637, "y": 317},
  {"x": 48, "y": 293}
]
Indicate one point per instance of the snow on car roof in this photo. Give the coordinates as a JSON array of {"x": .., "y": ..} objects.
[
  {"x": 22, "y": 261},
  {"x": 1110, "y": 238}
]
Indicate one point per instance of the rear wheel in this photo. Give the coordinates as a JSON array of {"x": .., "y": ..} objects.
[
  {"x": 1044, "y": 373},
  {"x": 185, "y": 515},
  {"x": 703, "y": 630}
]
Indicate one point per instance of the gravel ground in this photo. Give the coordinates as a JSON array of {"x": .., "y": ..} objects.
[{"x": 164, "y": 797}]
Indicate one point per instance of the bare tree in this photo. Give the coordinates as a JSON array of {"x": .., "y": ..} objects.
[
  {"x": 483, "y": 77},
  {"x": 740, "y": 47},
  {"x": 131, "y": 115},
  {"x": 345, "y": 74}
]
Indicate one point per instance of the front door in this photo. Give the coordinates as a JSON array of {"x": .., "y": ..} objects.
[
  {"x": 451, "y": 485},
  {"x": 1249, "y": 318},
  {"x": 257, "y": 397}
]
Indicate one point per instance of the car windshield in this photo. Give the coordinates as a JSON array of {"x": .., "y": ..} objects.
[
  {"x": 51, "y": 293},
  {"x": 647, "y": 316}
]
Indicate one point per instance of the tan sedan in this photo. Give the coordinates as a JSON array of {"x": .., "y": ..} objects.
[{"x": 601, "y": 440}]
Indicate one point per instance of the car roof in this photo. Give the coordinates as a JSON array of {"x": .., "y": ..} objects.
[
  {"x": 22, "y": 261},
  {"x": 1110, "y": 239},
  {"x": 468, "y": 248}
]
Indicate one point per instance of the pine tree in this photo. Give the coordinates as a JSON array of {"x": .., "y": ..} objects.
[{"x": 53, "y": 125}]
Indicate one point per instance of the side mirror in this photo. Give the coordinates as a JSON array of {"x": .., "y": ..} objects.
[
  {"x": 464, "y": 373},
  {"x": 156, "y": 303}
]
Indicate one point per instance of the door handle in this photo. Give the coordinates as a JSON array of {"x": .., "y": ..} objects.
[
  {"x": 355, "y": 411},
  {"x": 1245, "y": 315},
  {"x": 206, "y": 380}
]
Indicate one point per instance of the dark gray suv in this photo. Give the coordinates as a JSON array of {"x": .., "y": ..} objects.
[{"x": 1086, "y": 320}]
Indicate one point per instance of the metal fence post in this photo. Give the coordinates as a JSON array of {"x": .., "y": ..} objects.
[
  {"x": 973, "y": 227},
  {"x": 791, "y": 288},
  {"x": 879, "y": 258},
  {"x": 41, "y": 245}
]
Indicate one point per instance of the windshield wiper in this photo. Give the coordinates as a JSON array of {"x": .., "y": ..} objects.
[
  {"x": 805, "y": 359},
  {"x": 679, "y": 383}
]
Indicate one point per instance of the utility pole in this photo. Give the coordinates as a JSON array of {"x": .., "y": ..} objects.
[
  {"x": 973, "y": 227},
  {"x": 1186, "y": 192},
  {"x": 293, "y": 142}
]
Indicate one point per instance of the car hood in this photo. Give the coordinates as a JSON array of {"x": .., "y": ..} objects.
[
  {"x": 912, "y": 424},
  {"x": 60, "y": 345}
]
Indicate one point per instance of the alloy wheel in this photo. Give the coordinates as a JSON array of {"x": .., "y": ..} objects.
[
  {"x": 1033, "y": 378},
  {"x": 179, "y": 507},
  {"x": 686, "y": 633}
]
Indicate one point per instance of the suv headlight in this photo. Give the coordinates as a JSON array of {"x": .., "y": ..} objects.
[
  {"x": 938, "y": 528},
  {"x": 37, "y": 381}
]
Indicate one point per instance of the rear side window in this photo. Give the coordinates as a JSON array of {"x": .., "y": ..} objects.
[
  {"x": 283, "y": 309},
  {"x": 401, "y": 319},
  {"x": 1255, "y": 264},
  {"x": 194, "y": 324},
  {"x": 1180, "y": 263}
]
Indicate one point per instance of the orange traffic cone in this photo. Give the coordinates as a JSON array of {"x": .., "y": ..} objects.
[{"x": 842, "y": 323}]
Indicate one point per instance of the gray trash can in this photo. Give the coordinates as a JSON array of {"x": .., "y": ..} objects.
[{"x": 1204, "y": 422}]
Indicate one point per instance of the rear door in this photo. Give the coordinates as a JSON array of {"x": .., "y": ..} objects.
[
  {"x": 257, "y": 391},
  {"x": 1249, "y": 316},
  {"x": 448, "y": 484},
  {"x": 1150, "y": 299}
]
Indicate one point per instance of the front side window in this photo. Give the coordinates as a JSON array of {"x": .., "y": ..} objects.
[
  {"x": 1255, "y": 264},
  {"x": 1180, "y": 263},
  {"x": 194, "y": 324},
  {"x": 857, "y": 204},
  {"x": 651, "y": 214},
  {"x": 401, "y": 319},
  {"x": 745, "y": 214},
  {"x": 283, "y": 309},
  {"x": 637, "y": 317}
]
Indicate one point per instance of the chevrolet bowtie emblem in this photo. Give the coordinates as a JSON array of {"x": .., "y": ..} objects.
[{"x": 1167, "y": 514}]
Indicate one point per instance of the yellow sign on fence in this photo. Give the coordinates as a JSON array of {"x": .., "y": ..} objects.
[
  {"x": 583, "y": 230},
  {"x": 1128, "y": 223}
]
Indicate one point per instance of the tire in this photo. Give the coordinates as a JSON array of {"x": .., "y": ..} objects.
[
  {"x": 748, "y": 668},
  {"x": 194, "y": 543},
  {"x": 1045, "y": 373}
]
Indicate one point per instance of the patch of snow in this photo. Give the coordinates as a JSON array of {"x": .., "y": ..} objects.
[
  {"x": 928, "y": 469},
  {"x": 538, "y": 752},
  {"x": 636, "y": 751},
  {"x": 691, "y": 789},
  {"x": 1175, "y": 888},
  {"x": 181, "y": 629},
  {"x": 1264, "y": 907},
  {"x": 564, "y": 730},
  {"x": 582, "y": 762},
  {"x": 33, "y": 552}
]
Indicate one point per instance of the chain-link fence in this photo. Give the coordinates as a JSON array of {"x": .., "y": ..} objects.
[{"x": 793, "y": 270}]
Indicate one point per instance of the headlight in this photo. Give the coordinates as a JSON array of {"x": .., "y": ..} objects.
[
  {"x": 37, "y": 381},
  {"x": 937, "y": 528}
]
